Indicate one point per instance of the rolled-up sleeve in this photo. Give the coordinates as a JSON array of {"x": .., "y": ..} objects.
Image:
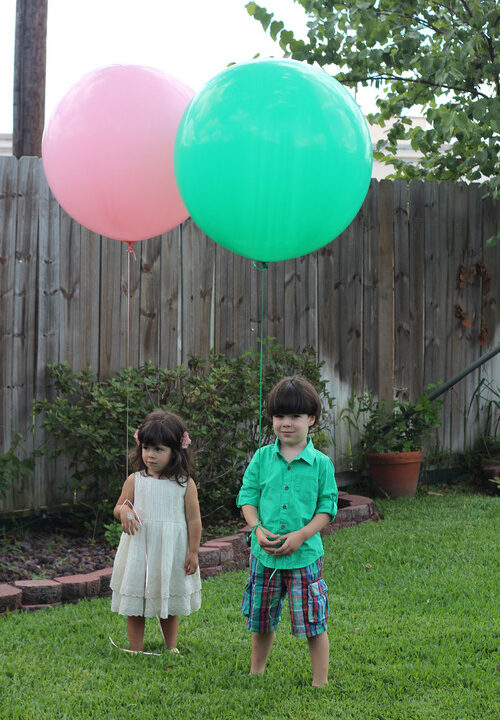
[
  {"x": 249, "y": 493},
  {"x": 327, "y": 489}
]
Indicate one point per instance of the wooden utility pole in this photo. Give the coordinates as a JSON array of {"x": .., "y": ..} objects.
[{"x": 29, "y": 77}]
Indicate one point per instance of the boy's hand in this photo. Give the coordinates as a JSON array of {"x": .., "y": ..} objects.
[
  {"x": 292, "y": 542},
  {"x": 191, "y": 563},
  {"x": 267, "y": 540}
]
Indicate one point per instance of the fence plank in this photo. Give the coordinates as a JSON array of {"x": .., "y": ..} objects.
[
  {"x": 329, "y": 352},
  {"x": 416, "y": 287},
  {"x": 274, "y": 306},
  {"x": 24, "y": 313},
  {"x": 48, "y": 324},
  {"x": 149, "y": 307},
  {"x": 370, "y": 290},
  {"x": 402, "y": 356},
  {"x": 112, "y": 300},
  {"x": 9, "y": 196},
  {"x": 433, "y": 279},
  {"x": 490, "y": 287},
  {"x": 246, "y": 323},
  {"x": 300, "y": 309},
  {"x": 170, "y": 351},
  {"x": 8, "y": 220},
  {"x": 198, "y": 258},
  {"x": 385, "y": 261},
  {"x": 223, "y": 299},
  {"x": 461, "y": 338}
]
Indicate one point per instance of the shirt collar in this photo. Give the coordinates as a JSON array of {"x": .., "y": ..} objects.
[{"x": 307, "y": 453}]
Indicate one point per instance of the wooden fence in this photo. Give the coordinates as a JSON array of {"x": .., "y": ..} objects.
[{"x": 406, "y": 296}]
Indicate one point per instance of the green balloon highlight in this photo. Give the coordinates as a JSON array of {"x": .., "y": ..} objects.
[{"x": 273, "y": 159}]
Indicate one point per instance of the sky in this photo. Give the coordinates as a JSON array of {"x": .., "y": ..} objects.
[{"x": 192, "y": 40}]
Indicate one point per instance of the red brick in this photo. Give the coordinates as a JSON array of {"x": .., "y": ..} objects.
[
  {"x": 208, "y": 572},
  {"x": 93, "y": 585},
  {"x": 226, "y": 552},
  {"x": 39, "y": 592},
  {"x": 241, "y": 549},
  {"x": 73, "y": 587},
  {"x": 209, "y": 556},
  {"x": 10, "y": 597},
  {"x": 104, "y": 577},
  {"x": 29, "y": 608}
]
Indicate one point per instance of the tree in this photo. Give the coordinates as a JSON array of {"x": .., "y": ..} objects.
[
  {"x": 29, "y": 76},
  {"x": 439, "y": 55}
]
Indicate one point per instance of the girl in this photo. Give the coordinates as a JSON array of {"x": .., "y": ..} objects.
[{"x": 156, "y": 572}]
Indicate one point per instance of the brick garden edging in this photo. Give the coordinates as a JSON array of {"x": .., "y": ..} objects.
[{"x": 216, "y": 556}]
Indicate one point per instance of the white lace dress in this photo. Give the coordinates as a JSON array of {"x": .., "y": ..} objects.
[{"x": 148, "y": 573}]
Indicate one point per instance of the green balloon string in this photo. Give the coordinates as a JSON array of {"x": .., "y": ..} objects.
[{"x": 262, "y": 267}]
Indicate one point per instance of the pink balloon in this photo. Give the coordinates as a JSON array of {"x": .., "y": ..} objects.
[{"x": 108, "y": 151}]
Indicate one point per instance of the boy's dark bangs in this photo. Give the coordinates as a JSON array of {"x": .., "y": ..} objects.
[{"x": 289, "y": 402}]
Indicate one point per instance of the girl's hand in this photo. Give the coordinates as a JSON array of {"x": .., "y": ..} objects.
[
  {"x": 191, "y": 563},
  {"x": 128, "y": 519},
  {"x": 267, "y": 540},
  {"x": 292, "y": 542}
]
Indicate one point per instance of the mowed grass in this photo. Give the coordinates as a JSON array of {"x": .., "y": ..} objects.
[{"x": 413, "y": 633}]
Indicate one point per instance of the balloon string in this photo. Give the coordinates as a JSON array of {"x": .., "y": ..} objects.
[
  {"x": 262, "y": 267},
  {"x": 146, "y": 591},
  {"x": 131, "y": 251},
  {"x": 127, "y": 350}
]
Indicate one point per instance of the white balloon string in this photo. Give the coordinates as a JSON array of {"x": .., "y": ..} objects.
[
  {"x": 146, "y": 591},
  {"x": 127, "y": 350},
  {"x": 131, "y": 251}
]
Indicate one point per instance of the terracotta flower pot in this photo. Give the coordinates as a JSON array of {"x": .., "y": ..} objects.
[{"x": 395, "y": 474}]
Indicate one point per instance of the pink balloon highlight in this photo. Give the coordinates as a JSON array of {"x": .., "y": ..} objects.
[{"x": 107, "y": 151}]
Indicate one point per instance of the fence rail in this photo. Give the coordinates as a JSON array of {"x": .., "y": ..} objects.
[{"x": 406, "y": 296}]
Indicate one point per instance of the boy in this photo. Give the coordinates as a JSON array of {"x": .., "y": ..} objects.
[{"x": 288, "y": 495}]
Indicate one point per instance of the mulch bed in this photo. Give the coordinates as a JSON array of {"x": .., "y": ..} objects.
[
  {"x": 43, "y": 555},
  {"x": 46, "y": 551}
]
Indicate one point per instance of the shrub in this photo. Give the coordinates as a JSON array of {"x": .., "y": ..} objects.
[
  {"x": 12, "y": 467},
  {"x": 218, "y": 398}
]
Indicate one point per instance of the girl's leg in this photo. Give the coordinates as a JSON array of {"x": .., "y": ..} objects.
[
  {"x": 135, "y": 629},
  {"x": 261, "y": 646},
  {"x": 319, "y": 650},
  {"x": 169, "y": 627}
]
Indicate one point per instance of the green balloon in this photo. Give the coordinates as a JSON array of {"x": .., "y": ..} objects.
[{"x": 273, "y": 159}]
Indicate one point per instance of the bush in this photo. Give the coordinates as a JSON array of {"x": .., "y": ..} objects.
[
  {"x": 218, "y": 399},
  {"x": 14, "y": 468}
]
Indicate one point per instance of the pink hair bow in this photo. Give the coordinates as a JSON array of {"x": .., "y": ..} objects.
[
  {"x": 185, "y": 441},
  {"x": 136, "y": 436}
]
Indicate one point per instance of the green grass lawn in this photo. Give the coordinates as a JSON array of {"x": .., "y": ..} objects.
[{"x": 413, "y": 632}]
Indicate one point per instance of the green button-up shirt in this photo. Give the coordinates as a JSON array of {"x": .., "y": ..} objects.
[{"x": 287, "y": 496}]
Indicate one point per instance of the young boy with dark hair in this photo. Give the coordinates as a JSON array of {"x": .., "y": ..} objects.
[{"x": 288, "y": 495}]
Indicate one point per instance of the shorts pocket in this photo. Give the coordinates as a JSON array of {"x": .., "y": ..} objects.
[
  {"x": 247, "y": 598},
  {"x": 317, "y": 601}
]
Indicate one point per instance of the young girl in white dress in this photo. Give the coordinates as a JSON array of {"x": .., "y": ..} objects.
[{"x": 155, "y": 572}]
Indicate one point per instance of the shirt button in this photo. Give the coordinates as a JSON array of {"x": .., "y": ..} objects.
[
  {"x": 282, "y": 527},
  {"x": 286, "y": 487},
  {"x": 284, "y": 507},
  {"x": 289, "y": 468}
]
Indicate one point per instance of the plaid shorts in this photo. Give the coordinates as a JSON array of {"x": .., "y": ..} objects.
[{"x": 307, "y": 598}]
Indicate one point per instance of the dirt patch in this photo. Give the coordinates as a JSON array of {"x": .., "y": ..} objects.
[{"x": 41, "y": 554}]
